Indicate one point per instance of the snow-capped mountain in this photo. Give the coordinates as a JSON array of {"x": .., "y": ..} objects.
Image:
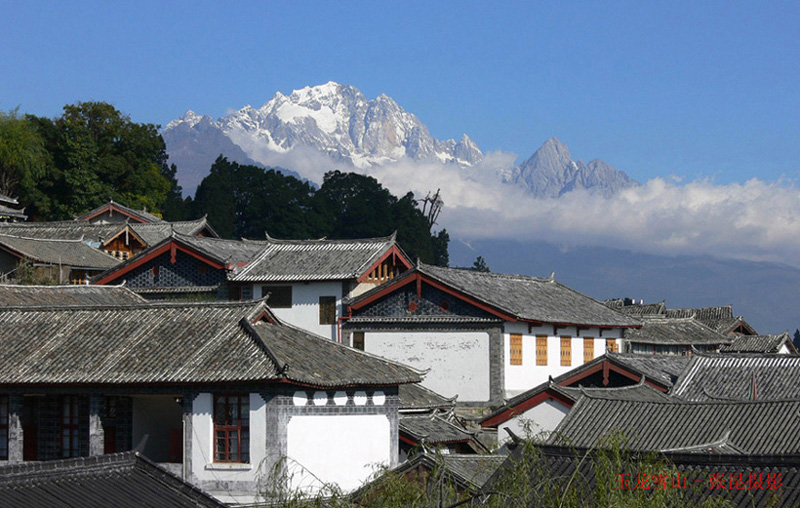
[
  {"x": 332, "y": 119},
  {"x": 551, "y": 172}
]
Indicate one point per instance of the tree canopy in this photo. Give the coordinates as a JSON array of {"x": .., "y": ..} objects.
[{"x": 97, "y": 153}]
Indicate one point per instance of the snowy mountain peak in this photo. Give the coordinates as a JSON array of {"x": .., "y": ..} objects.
[{"x": 341, "y": 123}]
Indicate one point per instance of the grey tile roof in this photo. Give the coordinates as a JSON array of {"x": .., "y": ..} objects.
[
  {"x": 637, "y": 309},
  {"x": 553, "y": 467},
  {"x": 122, "y": 480},
  {"x": 761, "y": 427},
  {"x": 310, "y": 359},
  {"x": 74, "y": 253},
  {"x": 176, "y": 343},
  {"x": 234, "y": 252},
  {"x": 469, "y": 471},
  {"x": 151, "y": 234},
  {"x": 675, "y": 331},
  {"x": 48, "y": 296},
  {"x": 433, "y": 429},
  {"x": 422, "y": 319},
  {"x": 731, "y": 376},
  {"x": 665, "y": 369},
  {"x": 759, "y": 344},
  {"x": 527, "y": 298},
  {"x": 414, "y": 396},
  {"x": 719, "y": 318},
  {"x": 288, "y": 260},
  {"x": 154, "y": 233},
  {"x": 143, "y": 214}
]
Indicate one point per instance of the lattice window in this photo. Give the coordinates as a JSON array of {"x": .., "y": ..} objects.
[
  {"x": 232, "y": 428},
  {"x": 515, "y": 349},
  {"x": 588, "y": 349},
  {"x": 541, "y": 350},
  {"x": 566, "y": 351},
  {"x": 611, "y": 346},
  {"x": 327, "y": 310}
]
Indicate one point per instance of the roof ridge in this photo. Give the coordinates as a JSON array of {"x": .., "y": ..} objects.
[
  {"x": 147, "y": 304},
  {"x": 65, "y": 240}
]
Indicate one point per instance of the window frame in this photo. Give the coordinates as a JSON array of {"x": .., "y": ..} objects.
[
  {"x": 612, "y": 346},
  {"x": 541, "y": 350},
  {"x": 358, "y": 340},
  {"x": 70, "y": 426},
  {"x": 588, "y": 352},
  {"x": 327, "y": 310},
  {"x": 284, "y": 297},
  {"x": 241, "y": 429},
  {"x": 515, "y": 355},
  {"x": 566, "y": 351}
]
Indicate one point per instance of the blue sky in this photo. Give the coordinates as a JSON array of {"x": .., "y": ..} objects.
[{"x": 695, "y": 89}]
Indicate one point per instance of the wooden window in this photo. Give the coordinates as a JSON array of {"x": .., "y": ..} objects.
[
  {"x": 588, "y": 349},
  {"x": 3, "y": 428},
  {"x": 515, "y": 349},
  {"x": 70, "y": 427},
  {"x": 232, "y": 428},
  {"x": 358, "y": 340},
  {"x": 327, "y": 310},
  {"x": 541, "y": 350},
  {"x": 611, "y": 346},
  {"x": 280, "y": 297},
  {"x": 566, "y": 351}
]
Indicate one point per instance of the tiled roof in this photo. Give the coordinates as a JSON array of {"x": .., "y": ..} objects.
[
  {"x": 307, "y": 358},
  {"x": 469, "y": 471},
  {"x": 142, "y": 215},
  {"x": 637, "y": 309},
  {"x": 154, "y": 233},
  {"x": 732, "y": 376},
  {"x": 675, "y": 331},
  {"x": 527, "y": 298},
  {"x": 639, "y": 391},
  {"x": 761, "y": 427},
  {"x": 235, "y": 252},
  {"x": 422, "y": 319},
  {"x": 552, "y": 468},
  {"x": 719, "y": 318},
  {"x": 288, "y": 260},
  {"x": 414, "y": 396},
  {"x": 176, "y": 343},
  {"x": 122, "y": 480},
  {"x": 48, "y": 296},
  {"x": 74, "y": 253},
  {"x": 665, "y": 369},
  {"x": 759, "y": 344},
  {"x": 432, "y": 429},
  {"x": 151, "y": 234}
]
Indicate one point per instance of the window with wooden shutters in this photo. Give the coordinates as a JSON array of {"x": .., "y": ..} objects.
[
  {"x": 280, "y": 297},
  {"x": 515, "y": 350},
  {"x": 358, "y": 340},
  {"x": 541, "y": 350},
  {"x": 588, "y": 349},
  {"x": 566, "y": 351},
  {"x": 327, "y": 310},
  {"x": 232, "y": 428},
  {"x": 611, "y": 346}
]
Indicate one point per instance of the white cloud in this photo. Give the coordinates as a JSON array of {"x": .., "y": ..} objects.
[{"x": 755, "y": 220}]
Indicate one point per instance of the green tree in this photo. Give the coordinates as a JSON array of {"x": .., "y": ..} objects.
[
  {"x": 480, "y": 265},
  {"x": 24, "y": 160},
  {"x": 796, "y": 338},
  {"x": 100, "y": 154}
]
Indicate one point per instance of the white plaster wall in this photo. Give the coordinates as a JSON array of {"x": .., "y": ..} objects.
[
  {"x": 203, "y": 465},
  {"x": 340, "y": 449},
  {"x": 519, "y": 378},
  {"x": 458, "y": 361},
  {"x": 539, "y": 420},
  {"x": 305, "y": 305}
]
